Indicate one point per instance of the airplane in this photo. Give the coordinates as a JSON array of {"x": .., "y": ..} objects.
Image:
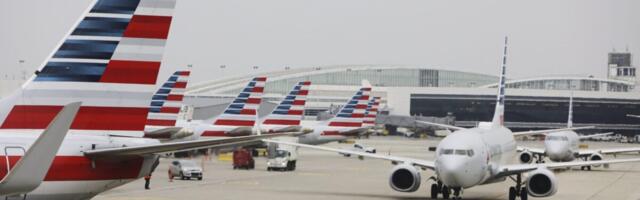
[
  {"x": 287, "y": 115},
  {"x": 238, "y": 119},
  {"x": 165, "y": 106},
  {"x": 562, "y": 146},
  {"x": 371, "y": 113},
  {"x": 109, "y": 61},
  {"x": 348, "y": 121},
  {"x": 470, "y": 157}
]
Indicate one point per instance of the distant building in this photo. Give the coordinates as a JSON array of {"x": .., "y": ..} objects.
[{"x": 429, "y": 91}]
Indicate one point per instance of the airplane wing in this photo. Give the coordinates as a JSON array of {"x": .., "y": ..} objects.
[
  {"x": 634, "y": 116},
  {"x": 169, "y": 147},
  {"x": 536, "y": 151},
  {"x": 595, "y": 135},
  {"x": 31, "y": 169},
  {"x": 508, "y": 170},
  {"x": 455, "y": 128},
  {"x": 415, "y": 162},
  {"x": 163, "y": 133},
  {"x": 588, "y": 152},
  {"x": 538, "y": 132}
]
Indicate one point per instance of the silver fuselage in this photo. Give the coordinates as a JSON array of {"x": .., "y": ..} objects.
[{"x": 491, "y": 147}]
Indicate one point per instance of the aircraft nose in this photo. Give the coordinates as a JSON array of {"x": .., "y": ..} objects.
[
  {"x": 557, "y": 150},
  {"x": 453, "y": 172}
]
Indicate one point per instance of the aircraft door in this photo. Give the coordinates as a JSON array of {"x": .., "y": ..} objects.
[{"x": 12, "y": 155}]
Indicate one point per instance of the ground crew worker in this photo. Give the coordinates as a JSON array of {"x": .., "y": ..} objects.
[{"x": 147, "y": 181}]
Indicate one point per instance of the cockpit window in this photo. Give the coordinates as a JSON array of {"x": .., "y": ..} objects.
[
  {"x": 460, "y": 152},
  {"x": 446, "y": 152}
]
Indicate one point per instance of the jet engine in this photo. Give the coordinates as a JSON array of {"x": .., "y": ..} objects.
[
  {"x": 595, "y": 157},
  {"x": 182, "y": 133},
  {"x": 404, "y": 178},
  {"x": 525, "y": 157},
  {"x": 541, "y": 183}
]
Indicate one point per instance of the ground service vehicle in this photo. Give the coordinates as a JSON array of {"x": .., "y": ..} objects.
[
  {"x": 185, "y": 169},
  {"x": 242, "y": 159}
]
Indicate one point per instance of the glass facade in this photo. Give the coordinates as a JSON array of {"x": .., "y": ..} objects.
[
  {"x": 610, "y": 112},
  {"x": 571, "y": 84},
  {"x": 382, "y": 77}
]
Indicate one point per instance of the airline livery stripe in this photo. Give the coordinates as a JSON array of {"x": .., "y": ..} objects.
[
  {"x": 146, "y": 26},
  {"x": 346, "y": 124},
  {"x": 175, "y": 97},
  {"x": 80, "y": 168},
  {"x": 161, "y": 122},
  {"x": 227, "y": 122},
  {"x": 214, "y": 134},
  {"x": 281, "y": 122},
  {"x": 88, "y": 118},
  {"x": 132, "y": 72}
]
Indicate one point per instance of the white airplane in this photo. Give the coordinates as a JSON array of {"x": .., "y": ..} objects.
[
  {"x": 347, "y": 122},
  {"x": 472, "y": 157},
  {"x": 563, "y": 146},
  {"x": 110, "y": 62}
]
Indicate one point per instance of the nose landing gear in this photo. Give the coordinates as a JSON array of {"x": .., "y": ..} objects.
[
  {"x": 439, "y": 188},
  {"x": 519, "y": 190}
]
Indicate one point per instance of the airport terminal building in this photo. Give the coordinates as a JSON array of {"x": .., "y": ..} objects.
[{"x": 426, "y": 91}]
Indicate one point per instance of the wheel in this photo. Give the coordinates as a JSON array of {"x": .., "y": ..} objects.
[
  {"x": 200, "y": 178},
  {"x": 588, "y": 168},
  {"x": 234, "y": 167},
  {"x": 523, "y": 193},
  {"x": 268, "y": 168},
  {"x": 445, "y": 192},
  {"x": 434, "y": 191},
  {"x": 374, "y": 151},
  {"x": 294, "y": 166},
  {"x": 181, "y": 176},
  {"x": 512, "y": 193}
]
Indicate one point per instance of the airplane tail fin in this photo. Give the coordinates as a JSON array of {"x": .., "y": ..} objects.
[
  {"x": 498, "y": 115},
  {"x": 570, "y": 117},
  {"x": 243, "y": 111},
  {"x": 109, "y": 60},
  {"x": 371, "y": 113},
  {"x": 352, "y": 114},
  {"x": 167, "y": 101},
  {"x": 291, "y": 109}
]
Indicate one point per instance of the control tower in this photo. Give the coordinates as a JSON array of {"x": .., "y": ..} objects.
[{"x": 620, "y": 67}]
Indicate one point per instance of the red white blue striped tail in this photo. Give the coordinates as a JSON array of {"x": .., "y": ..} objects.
[
  {"x": 109, "y": 61},
  {"x": 167, "y": 102},
  {"x": 371, "y": 113},
  {"x": 243, "y": 111},
  {"x": 291, "y": 109},
  {"x": 352, "y": 114}
]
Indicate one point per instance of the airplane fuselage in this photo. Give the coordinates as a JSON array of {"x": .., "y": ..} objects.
[
  {"x": 471, "y": 157},
  {"x": 72, "y": 175},
  {"x": 561, "y": 146}
]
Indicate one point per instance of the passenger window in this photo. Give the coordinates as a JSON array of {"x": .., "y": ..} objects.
[{"x": 461, "y": 152}]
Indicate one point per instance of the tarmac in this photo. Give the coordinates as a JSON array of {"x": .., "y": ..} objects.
[{"x": 326, "y": 175}]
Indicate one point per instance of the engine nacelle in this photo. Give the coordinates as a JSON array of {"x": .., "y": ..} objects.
[
  {"x": 541, "y": 183},
  {"x": 404, "y": 178},
  {"x": 595, "y": 157},
  {"x": 182, "y": 133},
  {"x": 525, "y": 157}
]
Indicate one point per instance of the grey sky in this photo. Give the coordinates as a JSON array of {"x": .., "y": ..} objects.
[{"x": 546, "y": 36}]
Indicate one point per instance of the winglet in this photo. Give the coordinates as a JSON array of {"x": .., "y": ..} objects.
[
  {"x": 31, "y": 169},
  {"x": 498, "y": 115}
]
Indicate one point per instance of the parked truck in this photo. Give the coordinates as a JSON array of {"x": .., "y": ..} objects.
[{"x": 282, "y": 157}]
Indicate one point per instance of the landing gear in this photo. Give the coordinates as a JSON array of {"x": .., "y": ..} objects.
[
  {"x": 588, "y": 168},
  {"x": 519, "y": 190},
  {"x": 539, "y": 159},
  {"x": 445, "y": 192}
]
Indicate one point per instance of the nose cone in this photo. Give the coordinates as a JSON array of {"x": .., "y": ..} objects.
[
  {"x": 456, "y": 171},
  {"x": 557, "y": 150}
]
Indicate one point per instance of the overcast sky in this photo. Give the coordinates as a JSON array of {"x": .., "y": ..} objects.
[{"x": 547, "y": 37}]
